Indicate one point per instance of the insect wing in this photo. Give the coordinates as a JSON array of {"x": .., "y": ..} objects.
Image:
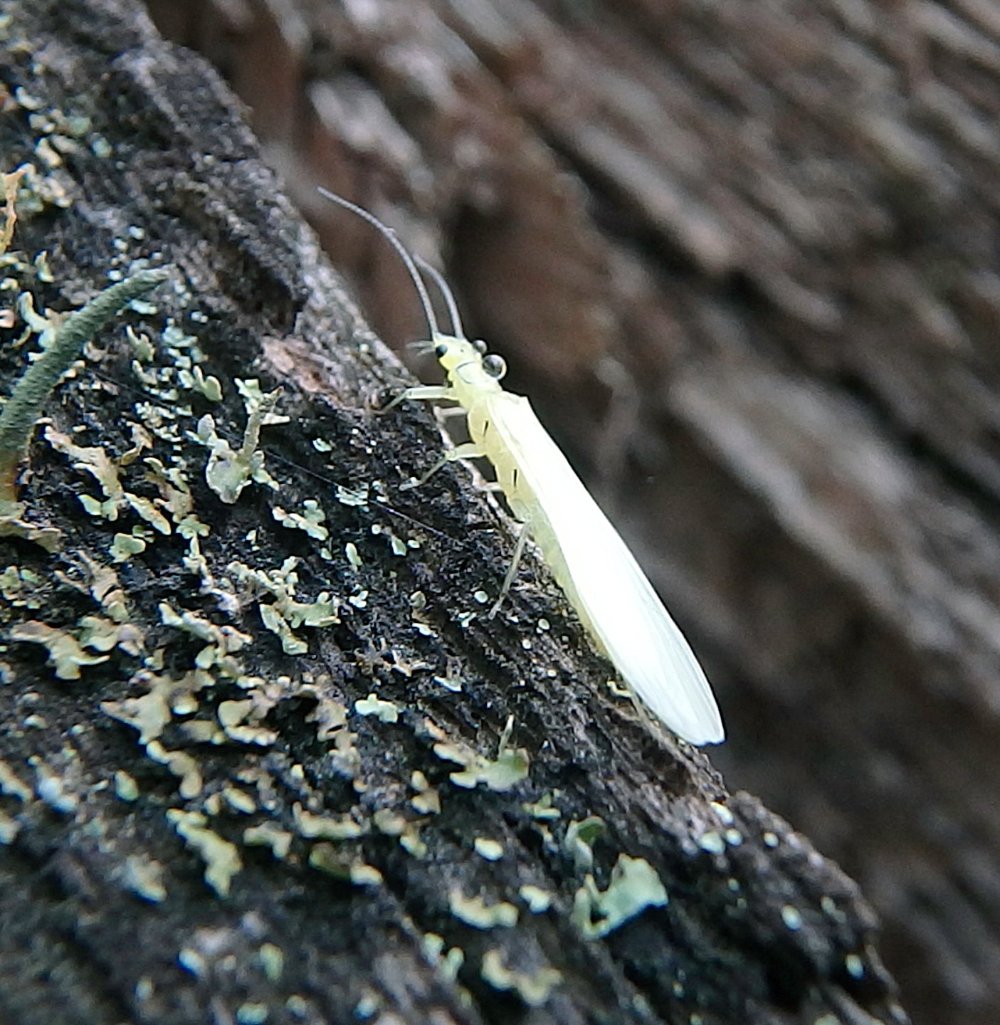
[{"x": 611, "y": 592}]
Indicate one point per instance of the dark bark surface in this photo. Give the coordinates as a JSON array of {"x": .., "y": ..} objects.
[
  {"x": 744, "y": 259},
  {"x": 262, "y": 757}
]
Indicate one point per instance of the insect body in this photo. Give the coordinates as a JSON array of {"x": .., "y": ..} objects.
[{"x": 588, "y": 558}]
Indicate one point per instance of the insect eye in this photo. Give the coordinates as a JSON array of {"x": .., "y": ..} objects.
[
  {"x": 440, "y": 350},
  {"x": 480, "y": 346},
  {"x": 495, "y": 366}
]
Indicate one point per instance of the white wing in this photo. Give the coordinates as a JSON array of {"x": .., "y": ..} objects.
[{"x": 602, "y": 579}]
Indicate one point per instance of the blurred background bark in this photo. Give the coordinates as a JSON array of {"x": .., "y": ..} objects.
[{"x": 744, "y": 258}]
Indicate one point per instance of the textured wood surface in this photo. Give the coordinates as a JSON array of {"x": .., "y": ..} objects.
[
  {"x": 248, "y": 773},
  {"x": 744, "y": 259}
]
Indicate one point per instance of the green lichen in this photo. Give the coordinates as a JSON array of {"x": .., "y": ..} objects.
[
  {"x": 448, "y": 964},
  {"x": 124, "y": 546},
  {"x": 509, "y": 768},
  {"x": 491, "y": 850},
  {"x": 230, "y": 470},
  {"x": 149, "y": 714},
  {"x": 239, "y": 800},
  {"x": 222, "y": 859},
  {"x": 327, "y": 858},
  {"x": 634, "y": 886},
  {"x": 144, "y": 877},
  {"x": 537, "y": 899},
  {"x": 12, "y": 785},
  {"x": 310, "y": 520},
  {"x": 272, "y": 960},
  {"x": 326, "y": 826},
  {"x": 66, "y": 654},
  {"x": 427, "y": 800},
  {"x": 180, "y": 764},
  {"x": 251, "y": 1013},
  {"x": 126, "y": 788},
  {"x": 544, "y": 809},
  {"x": 533, "y": 988},
  {"x": 476, "y": 912},
  {"x": 384, "y": 711},
  {"x": 267, "y": 834},
  {"x": 9, "y": 828},
  {"x": 579, "y": 841},
  {"x": 286, "y": 614},
  {"x": 220, "y": 641}
]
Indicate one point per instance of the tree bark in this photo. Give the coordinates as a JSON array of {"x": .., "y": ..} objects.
[
  {"x": 271, "y": 847},
  {"x": 743, "y": 259}
]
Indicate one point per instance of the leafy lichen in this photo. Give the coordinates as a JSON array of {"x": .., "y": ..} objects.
[
  {"x": 534, "y": 988},
  {"x": 634, "y": 886},
  {"x": 476, "y": 912},
  {"x": 222, "y": 859},
  {"x": 230, "y": 470}
]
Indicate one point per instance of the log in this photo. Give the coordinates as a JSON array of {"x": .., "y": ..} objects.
[{"x": 263, "y": 756}]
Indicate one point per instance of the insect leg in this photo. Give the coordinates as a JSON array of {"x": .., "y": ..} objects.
[
  {"x": 421, "y": 393},
  {"x": 467, "y": 450},
  {"x": 522, "y": 540}
]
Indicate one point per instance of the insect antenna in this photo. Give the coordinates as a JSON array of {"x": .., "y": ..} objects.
[
  {"x": 390, "y": 235},
  {"x": 446, "y": 294}
]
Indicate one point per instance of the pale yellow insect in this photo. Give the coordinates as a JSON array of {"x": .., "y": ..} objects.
[{"x": 588, "y": 558}]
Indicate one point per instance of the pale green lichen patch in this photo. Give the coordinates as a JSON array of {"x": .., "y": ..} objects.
[
  {"x": 101, "y": 634},
  {"x": 66, "y": 654},
  {"x": 578, "y": 843},
  {"x": 230, "y": 470},
  {"x": 286, "y": 614},
  {"x": 9, "y": 828},
  {"x": 327, "y": 858},
  {"x": 328, "y": 827},
  {"x": 125, "y": 546},
  {"x": 96, "y": 462},
  {"x": 12, "y": 524},
  {"x": 537, "y": 899},
  {"x": 182, "y": 765},
  {"x": 544, "y": 809},
  {"x": 634, "y": 886},
  {"x": 329, "y": 714},
  {"x": 509, "y": 768},
  {"x": 23, "y": 588},
  {"x": 12, "y": 785},
  {"x": 149, "y": 713},
  {"x": 411, "y": 841},
  {"x": 268, "y": 834},
  {"x": 476, "y": 912},
  {"x": 384, "y": 711},
  {"x": 239, "y": 800},
  {"x": 52, "y": 788},
  {"x": 427, "y": 800},
  {"x": 711, "y": 841},
  {"x": 448, "y": 964},
  {"x": 220, "y": 641},
  {"x": 105, "y": 588},
  {"x": 251, "y": 1013},
  {"x": 490, "y": 850},
  {"x": 126, "y": 788},
  {"x": 389, "y": 822},
  {"x": 310, "y": 520},
  {"x": 222, "y": 859},
  {"x": 193, "y": 962},
  {"x": 534, "y": 988},
  {"x": 272, "y": 960},
  {"x": 144, "y": 877}
]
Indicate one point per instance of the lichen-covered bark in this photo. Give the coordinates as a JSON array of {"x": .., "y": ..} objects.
[
  {"x": 743, "y": 258},
  {"x": 262, "y": 756}
]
